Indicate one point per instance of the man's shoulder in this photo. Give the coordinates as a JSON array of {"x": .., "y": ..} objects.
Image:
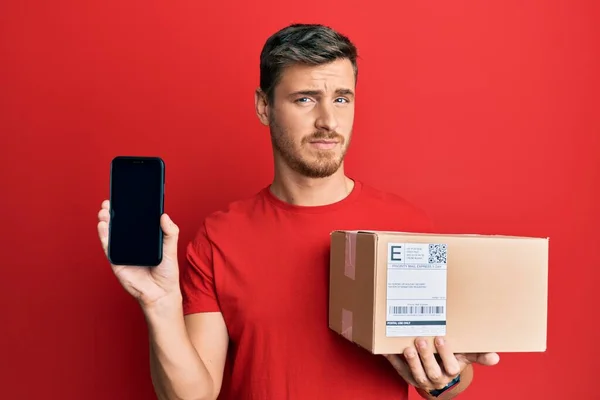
[
  {"x": 235, "y": 211},
  {"x": 227, "y": 220},
  {"x": 394, "y": 205},
  {"x": 388, "y": 199},
  {"x": 234, "y": 215}
]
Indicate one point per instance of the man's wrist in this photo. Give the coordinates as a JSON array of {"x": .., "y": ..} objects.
[
  {"x": 453, "y": 383},
  {"x": 166, "y": 308},
  {"x": 439, "y": 393}
]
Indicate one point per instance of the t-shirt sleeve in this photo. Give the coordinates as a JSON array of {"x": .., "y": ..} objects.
[
  {"x": 197, "y": 276},
  {"x": 421, "y": 220},
  {"x": 428, "y": 223}
]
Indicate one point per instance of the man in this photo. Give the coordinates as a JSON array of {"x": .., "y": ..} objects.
[{"x": 254, "y": 287}]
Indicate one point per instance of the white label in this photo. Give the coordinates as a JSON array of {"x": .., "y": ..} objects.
[{"x": 416, "y": 289}]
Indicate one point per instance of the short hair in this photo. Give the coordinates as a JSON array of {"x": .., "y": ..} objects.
[{"x": 308, "y": 44}]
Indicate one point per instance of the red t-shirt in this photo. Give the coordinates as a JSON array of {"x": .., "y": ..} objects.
[{"x": 264, "y": 264}]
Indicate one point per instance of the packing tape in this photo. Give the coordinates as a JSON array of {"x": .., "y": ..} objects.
[
  {"x": 347, "y": 324},
  {"x": 350, "y": 258}
]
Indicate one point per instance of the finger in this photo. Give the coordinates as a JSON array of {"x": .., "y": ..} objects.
[
  {"x": 171, "y": 235},
  {"x": 106, "y": 204},
  {"x": 103, "y": 235},
  {"x": 449, "y": 361},
  {"x": 487, "y": 359},
  {"x": 104, "y": 215},
  {"x": 490, "y": 359},
  {"x": 430, "y": 363},
  {"x": 416, "y": 368},
  {"x": 401, "y": 367}
]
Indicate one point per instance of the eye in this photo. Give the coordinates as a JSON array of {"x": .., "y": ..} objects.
[
  {"x": 341, "y": 100},
  {"x": 302, "y": 100}
]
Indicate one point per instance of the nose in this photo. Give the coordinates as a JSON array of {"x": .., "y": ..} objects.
[{"x": 326, "y": 119}]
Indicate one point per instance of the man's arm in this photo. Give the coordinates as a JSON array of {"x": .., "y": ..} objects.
[{"x": 187, "y": 354}]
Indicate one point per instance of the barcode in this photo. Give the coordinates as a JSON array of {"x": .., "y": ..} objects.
[{"x": 416, "y": 310}]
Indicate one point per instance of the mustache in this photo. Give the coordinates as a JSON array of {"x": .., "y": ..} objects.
[{"x": 324, "y": 136}]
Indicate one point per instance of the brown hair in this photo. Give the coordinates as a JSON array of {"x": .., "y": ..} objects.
[{"x": 309, "y": 44}]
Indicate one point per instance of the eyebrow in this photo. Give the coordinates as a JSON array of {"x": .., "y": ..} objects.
[{"x": 338, "y": 92}]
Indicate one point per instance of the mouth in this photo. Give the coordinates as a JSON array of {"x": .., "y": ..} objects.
[{"x": 323, "y": 144}]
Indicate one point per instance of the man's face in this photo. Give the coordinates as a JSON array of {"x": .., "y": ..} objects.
[{"x": 312, "y": 115}]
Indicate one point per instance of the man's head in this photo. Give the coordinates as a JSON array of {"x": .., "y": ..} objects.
[{"x": 307, "y": 82}]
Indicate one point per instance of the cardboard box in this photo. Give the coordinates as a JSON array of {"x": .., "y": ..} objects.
[{"x": 483, "y": 293}]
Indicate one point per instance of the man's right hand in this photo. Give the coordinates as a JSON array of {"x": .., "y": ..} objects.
[
  {"x": 149, "y": 285},
  {"x": 187, "y": 354}
]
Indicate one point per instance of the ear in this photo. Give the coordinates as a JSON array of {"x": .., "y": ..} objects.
[{"x": 262, "y": 106}]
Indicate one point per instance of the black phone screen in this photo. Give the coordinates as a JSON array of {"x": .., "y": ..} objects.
[{"x": 136, "y": 206}]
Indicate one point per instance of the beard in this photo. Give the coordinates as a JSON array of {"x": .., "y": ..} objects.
[{"x": 322, "y": 164}]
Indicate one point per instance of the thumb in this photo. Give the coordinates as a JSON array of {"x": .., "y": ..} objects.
[
  {"x": 487, "y": 359},
  {"x": 171, "y": 235}
]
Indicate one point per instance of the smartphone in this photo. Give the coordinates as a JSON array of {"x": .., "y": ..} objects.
[{"x": 137, "y": 193}]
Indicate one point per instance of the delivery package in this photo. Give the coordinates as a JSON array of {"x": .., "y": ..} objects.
[{"x": 484, "y": 293}]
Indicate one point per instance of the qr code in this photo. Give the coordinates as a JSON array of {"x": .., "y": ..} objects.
[{"x": 437, "y": 253}]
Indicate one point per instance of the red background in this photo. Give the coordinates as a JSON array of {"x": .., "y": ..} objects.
[{"x": 485, "y": 113}]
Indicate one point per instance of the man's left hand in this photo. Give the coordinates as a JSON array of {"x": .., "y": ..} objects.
[{"x": 425, "y": 370}]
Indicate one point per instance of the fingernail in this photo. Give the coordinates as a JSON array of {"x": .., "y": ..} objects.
[
  {"x": 422, "y": 344},
  {"x": 440, "y": 341}
]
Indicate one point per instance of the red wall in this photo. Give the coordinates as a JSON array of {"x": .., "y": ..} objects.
[{"x": 485, "y": 113}]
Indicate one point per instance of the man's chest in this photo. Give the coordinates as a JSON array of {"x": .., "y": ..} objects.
[{"x": 273, "y": 284}]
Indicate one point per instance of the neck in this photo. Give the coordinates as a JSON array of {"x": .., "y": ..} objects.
[{"x": 295, "y": 189}]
